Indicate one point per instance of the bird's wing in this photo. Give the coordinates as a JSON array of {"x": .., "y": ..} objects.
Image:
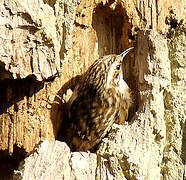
[
  {"x": 90, "y": 120},
  {"x": 80, "y": 106}
]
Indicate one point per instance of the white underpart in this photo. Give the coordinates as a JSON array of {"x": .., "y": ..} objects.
[{"x": 122, "y": 85}]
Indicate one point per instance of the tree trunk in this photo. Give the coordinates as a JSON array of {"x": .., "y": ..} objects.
[{"x": 45, "y": 45}]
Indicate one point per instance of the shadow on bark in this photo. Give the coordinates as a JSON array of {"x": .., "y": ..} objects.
[
  {"x": 59, "y": 111},
  {"x": 13, "y": 91},
  {"x": 9, "y": 163},
  {"x": 183, "y": 155}
]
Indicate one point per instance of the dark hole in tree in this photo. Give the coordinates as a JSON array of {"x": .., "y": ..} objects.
[
  {"x": 112, "y": 38},
  {"x": 113, "y": 31},
  {"x": 108, "y": 25}
]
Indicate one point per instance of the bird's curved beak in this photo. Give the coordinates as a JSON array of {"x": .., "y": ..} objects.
[{"x": 124, "y": 53}]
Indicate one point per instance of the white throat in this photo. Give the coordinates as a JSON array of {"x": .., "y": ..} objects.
[{"x": 123, "y": 87}]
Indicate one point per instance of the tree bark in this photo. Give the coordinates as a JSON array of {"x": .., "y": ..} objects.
[{"x": 45, "y": 45}]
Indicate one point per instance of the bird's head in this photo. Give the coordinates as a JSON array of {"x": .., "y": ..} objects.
[
  {"x": 106, "y": 72},
  {"x": 115, "y": 72}
]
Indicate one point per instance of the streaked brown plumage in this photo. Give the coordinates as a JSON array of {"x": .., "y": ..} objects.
[{"x": 100, "y": 98}]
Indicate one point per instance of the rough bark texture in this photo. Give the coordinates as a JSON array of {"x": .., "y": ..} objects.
[{"x": 44, "y": 44}]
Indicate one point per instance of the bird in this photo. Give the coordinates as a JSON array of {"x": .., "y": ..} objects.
[{"x": 100, "y": 98}]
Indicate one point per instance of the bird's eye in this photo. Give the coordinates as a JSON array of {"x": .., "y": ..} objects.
[{"x": 118, "y": 67}]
